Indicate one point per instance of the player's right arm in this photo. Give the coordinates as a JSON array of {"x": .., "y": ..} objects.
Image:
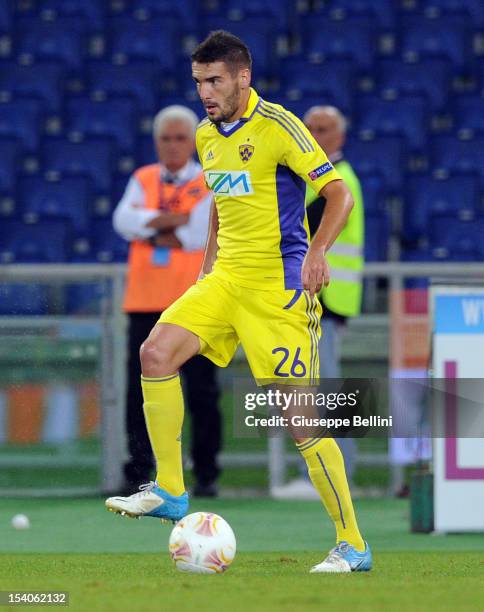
[
  {"x": 211, "y": 248},
  {"x": 305, "y": 157}
]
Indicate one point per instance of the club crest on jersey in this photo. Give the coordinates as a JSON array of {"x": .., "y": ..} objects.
[
  {"x": 246, "y": 151},
  {"x": 229, "y": 183}
]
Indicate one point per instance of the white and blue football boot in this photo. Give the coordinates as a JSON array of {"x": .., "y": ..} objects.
[
  {"x": 150, "y": 500},
  {"x": 345, "y": 558}
]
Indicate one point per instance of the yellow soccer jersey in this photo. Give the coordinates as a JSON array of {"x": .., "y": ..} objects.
[{"x": 257, "y": 172}]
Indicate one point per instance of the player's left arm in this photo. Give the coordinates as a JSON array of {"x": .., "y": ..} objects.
[{"x": 339, "y": 202}]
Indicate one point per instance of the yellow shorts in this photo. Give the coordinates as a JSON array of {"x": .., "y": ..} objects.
[{"x": 279, "y": 330}]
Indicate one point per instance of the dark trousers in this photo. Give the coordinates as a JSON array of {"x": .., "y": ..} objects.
[{"x": 201, "y": 394}]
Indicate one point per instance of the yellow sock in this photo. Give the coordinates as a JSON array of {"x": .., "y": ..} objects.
[
  {"x": 327, "y": 472},
  {"x": 163, "y": 408}
]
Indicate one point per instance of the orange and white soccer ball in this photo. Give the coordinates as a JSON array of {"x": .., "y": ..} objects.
[{"x": 202, "y": 543}]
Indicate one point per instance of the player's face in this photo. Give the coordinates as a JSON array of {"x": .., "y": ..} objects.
[
  {"x": 175, "y": 144},
  {"x": 326, "y": 130},
  {"x": 219, "y": 90}
]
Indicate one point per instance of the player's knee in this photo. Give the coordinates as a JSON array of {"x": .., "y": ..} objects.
[{"x": 155, "y": 359}]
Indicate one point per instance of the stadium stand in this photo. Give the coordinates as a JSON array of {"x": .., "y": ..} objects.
[
  {"x": 331, "y": 81},
  {"x": 45, "y": 242},
  {"x": 42, "y": 81},
  {"x": 9, "y": 156},
  {"x": 377, "y": 235},
  {"x": 436, "y": 38},
  {"x": 351, "y": 39},
  {"x": 114, "y": 118},
  {"x": 78, "y": 79},
  {"x": 22, "y": 119},
  {"x": 137, "y": 80},
  {"x": 63, "y": 39},
  {"x": 23, "y": 299},
  {"x": 91, "y": 12},
  {"x": 62, "y": 199},
  {"x": 428, "y": 197},
  {"x": 453, "y": 156},
  {"x": 94, "y": 158},
  {"x": 458, "y": 237},
  {"x": 396, "y": 78}
]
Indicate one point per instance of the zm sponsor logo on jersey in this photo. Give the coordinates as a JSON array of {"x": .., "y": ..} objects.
[
  {"x": 229, "y": 183},
  {"x": 320, "y": 170}
]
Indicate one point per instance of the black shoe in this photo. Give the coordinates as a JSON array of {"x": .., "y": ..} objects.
[{"x": 205, "y": 490}]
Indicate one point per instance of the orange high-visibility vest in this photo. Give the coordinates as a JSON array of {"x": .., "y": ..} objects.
[{"x": 151, "y": 287}]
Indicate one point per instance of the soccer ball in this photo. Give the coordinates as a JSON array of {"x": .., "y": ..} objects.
[{"x": 202, "y": 543}]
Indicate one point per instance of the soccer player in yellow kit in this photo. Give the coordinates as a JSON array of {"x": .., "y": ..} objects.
[{"x": 258, "y": 283}]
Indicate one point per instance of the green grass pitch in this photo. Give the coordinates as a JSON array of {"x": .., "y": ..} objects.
[{"x": 107, "y": 562}]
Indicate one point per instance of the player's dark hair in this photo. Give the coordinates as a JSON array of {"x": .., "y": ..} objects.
[{"x": 222, "y": 46}]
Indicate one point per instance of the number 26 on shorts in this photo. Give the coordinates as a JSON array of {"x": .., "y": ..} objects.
[{"x": 298, "y": 368}]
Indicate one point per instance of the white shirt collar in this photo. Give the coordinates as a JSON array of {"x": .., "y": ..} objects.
[
  {"x": 187, "y": 173},
  {"x": 228, "y": 126}
]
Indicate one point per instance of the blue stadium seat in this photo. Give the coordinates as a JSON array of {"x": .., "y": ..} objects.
[
  {"x": 469, "y": 113},
  {"x": 94, "y": 158},
  {"x": 9, "y": 158},
  {"x": 119, "y": 185},
  {"x": 436, "y": 255},
  {"x": 458, "y": 156},
  {"x": 23, "y": 299},
  {"x": 472, "y": 9},
  {"x": 373, "y": 192},
  {"x": 258, "y": 34},
  {"x": 115, "y": 118},
  {"x": 458, "y": 237},
  {"x": 107, "y": 245},
  {"x": 405, "y": 116},
  {"x": 352, "y": 39},
  {"x": 380, "y": 11},
  {"x": 195, "y": 105},
  {"x": 145, "y": 151},
  {"x": 382, "y": 157},
  {"x": 426, "y": 254},
  {"x": 377, "y": 235},
  {"x": 138, "y": 79},
  {"x": 186, "y": 11},
  {"x": 42, "y": 81},
  {"x": 282, "y": 13},
  {"x": 5, "y": 17},
  {"x": 91, "y": 12},
  {"x": 413, "y": 79},
  {"x": 435, "y": 38},
  {"x": 426, "y": 196},
  {"x": 331, "y": 80},
  {"x": 157, "y": 39},
  {"x": 298, "y": 107},
  {"x": 45, "y": 242},
  {"x": 69, "y": 199},
  {"x": 62, "y": 39},
  {"x": 183, "y": 83},
  {"x": 83, "y": 298},
  {"x": 21, "y": 119}
]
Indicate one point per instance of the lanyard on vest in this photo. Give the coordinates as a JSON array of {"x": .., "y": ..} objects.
[{"x": 163, "y": 203}]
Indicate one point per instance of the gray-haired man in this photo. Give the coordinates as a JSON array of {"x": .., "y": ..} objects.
[{"x": 164, "y": 214}]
